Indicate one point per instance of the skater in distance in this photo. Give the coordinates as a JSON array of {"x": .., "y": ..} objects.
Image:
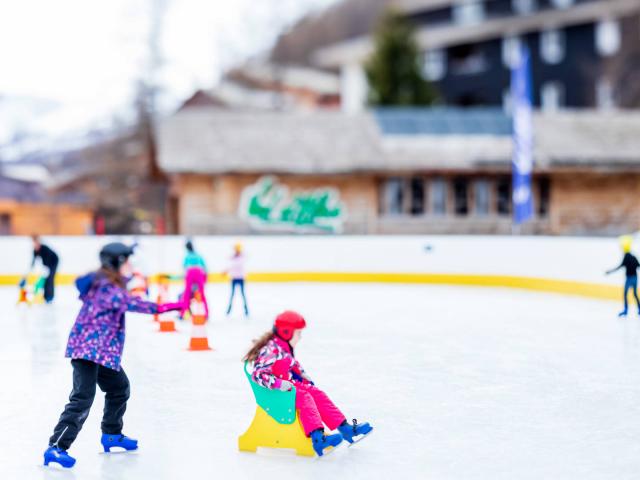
[{"x": 630, "y": 264}]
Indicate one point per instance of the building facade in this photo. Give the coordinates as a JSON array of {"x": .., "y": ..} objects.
[
  {"x": 396, "y": 171},
  {"x": 25, "y": 210},
  {"x": 584, "y": 53}
]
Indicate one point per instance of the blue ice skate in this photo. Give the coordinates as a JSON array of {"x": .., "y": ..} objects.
[
  {"x": 321, "y": 442},
  {"x": 122, "y": 441},
  {"x": 57, "y": 455},
  {"x": 355, "y": 432}
]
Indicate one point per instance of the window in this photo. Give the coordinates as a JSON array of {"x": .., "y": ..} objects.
[
  {"x": 5, "y": 224},
  {"x": 435, "y": 65},
  {"x": 393, "y": 196},
  {"x": 552, "y": 46},
  {"x": 468, "y": 12},
  {"x": 438, "y": 192},
  {"x": 507, "y": 100},
  {"x": 562, "y": 4},
  {"x": 525, "y": 7},
  {"x": 552, "y": 96},
  {"x": 608, "y": 37},
  {"x": 461, "y": 196},
  {"x": 604, "y": 95},
  {"x": 511, "y": 47},
  {"x": 503, "y": 196},
  {"x": 544, "y": 186},
  {"x": 481, "y": 198},
  {"x": 417, "y": 196},
  {"x": 467, "y": 60}
]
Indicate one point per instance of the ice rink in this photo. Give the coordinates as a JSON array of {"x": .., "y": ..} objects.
[{"x": 459, "y": 383}]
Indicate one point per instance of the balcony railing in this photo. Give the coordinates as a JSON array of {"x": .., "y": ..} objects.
[{"x": 443, "y": 121}]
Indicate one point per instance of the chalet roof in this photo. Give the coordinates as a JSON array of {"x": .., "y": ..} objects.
[
  {"x": 214, "y": 142},
  {"x": 23, "y": 191}
]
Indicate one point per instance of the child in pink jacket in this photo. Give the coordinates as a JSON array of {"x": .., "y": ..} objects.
[{"x": 275, "y": 367}]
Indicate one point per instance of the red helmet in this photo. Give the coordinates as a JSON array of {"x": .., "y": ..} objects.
[{"x": 286, "y": 323}]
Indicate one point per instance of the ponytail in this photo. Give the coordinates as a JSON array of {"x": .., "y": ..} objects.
[
  {"x": 257, "y": 346},
  {"x": 113, "y": 276}
]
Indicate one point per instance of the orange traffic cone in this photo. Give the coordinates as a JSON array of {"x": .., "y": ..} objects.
[
  {"x": 199, "y": 340},
  {"x": 159, "y": 300},
  {"x": 163, "y": 293},
  {"x": 23, "y": 296},
  {"x": 138, "y": 285},
  {"x": 167, "y": 325}
]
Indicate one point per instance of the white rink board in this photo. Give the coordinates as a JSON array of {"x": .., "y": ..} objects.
[{"x": 564, "y": 258}]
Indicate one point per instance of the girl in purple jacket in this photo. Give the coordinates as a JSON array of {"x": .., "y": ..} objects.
[{"x": 95, "y": 348}]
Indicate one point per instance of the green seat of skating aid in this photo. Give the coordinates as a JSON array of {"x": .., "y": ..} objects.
[{"x": 281, "y": 406}]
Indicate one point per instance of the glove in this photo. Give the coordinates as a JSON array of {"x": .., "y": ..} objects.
[
  {"x": 169, "y": 307},
  {"x": 307, "y": 379},
  {"x": 285, "y": 386},
  {"x": 281, "y": 367}
]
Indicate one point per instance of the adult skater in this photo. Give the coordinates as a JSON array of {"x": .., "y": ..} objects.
[
  {"x": 195, "y": 278},
  {"x": 50, "y": 260},
  {"x": 630, "y": 264},
  {"x": 95, "y": 347},
  {"x": 236, "y": 272},
  {"x": 275, "y": 367}
]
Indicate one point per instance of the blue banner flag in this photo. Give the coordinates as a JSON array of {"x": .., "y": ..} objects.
[{"x": 522, "y": 160}]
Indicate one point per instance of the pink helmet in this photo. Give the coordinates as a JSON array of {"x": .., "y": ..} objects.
[{"x": 286, "y": 323}]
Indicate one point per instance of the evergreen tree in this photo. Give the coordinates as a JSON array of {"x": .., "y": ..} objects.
[{"x": 393, "y": 71}]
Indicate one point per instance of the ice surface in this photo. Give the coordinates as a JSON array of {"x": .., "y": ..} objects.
[{"x": 459, "y": 383}]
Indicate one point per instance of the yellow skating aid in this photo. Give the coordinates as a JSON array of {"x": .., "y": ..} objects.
[
  {"x": 264, "y": 431},
  {"x": 275, "y": 423}
]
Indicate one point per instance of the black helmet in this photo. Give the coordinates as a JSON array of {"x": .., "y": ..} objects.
[{"x": 114, "y": 255}]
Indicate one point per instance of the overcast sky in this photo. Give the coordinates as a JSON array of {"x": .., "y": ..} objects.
[{"x": 85, "y": 55}]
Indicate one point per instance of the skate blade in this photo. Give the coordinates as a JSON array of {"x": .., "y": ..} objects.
[
  {"x": 118, "y": 451},
  {"x": 56, "y": 468},
  {"x": 359, "y": 439},
  {"x": 329, "y": 451}
]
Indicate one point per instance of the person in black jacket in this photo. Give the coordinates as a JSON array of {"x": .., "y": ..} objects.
[
  {"x": 630, "y": 264},
  {"x": 50, "y": 260}
]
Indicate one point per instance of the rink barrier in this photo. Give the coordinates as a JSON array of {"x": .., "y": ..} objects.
[{"x": 548, "y": 285}]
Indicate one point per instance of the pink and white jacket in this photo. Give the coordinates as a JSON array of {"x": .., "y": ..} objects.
[{"x": 275, "y": 362}]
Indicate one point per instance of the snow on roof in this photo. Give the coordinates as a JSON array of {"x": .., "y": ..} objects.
[{"x": 214, "y": 142}]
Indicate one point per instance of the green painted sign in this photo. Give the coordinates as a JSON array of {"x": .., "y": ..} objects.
[{"x": 268, "y": 205}]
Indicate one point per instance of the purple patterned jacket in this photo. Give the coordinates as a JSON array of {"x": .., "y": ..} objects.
[{"x": 98, "y": 332}]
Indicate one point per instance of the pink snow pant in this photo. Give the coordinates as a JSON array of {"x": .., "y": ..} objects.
[
  {"x": 194, "y": 277},
  {"x": 315, "y": 407}
]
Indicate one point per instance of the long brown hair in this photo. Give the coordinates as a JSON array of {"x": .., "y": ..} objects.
[
  {"x": 257, "y": 346},
  {"x": 113, "y": 276}
]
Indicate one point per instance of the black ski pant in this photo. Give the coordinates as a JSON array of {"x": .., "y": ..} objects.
[{"x": 86, "y": 375}]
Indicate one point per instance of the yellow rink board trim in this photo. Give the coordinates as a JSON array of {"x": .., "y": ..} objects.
[{"x": 567, "y": 287}]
